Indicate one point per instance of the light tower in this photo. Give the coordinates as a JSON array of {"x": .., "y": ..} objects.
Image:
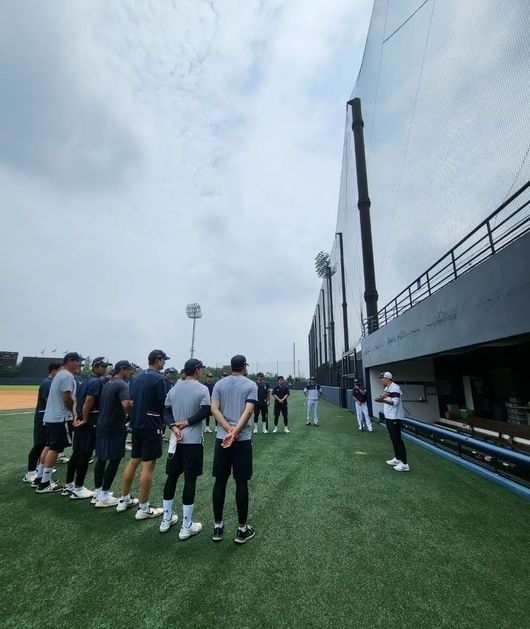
[
  {"x": 324, "y": 270},
  {"x": 194, "y": 312}
]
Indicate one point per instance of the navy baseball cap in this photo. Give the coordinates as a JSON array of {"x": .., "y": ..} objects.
[
  {"x": 157, "y": 353},
  {"x": 191, "y": 365},
  {"x": 238, "y": 362},
  {"x": 123, "y": 364},
  {"x": 170, "y": 370},
  {"x": 101, "y": 361},
  {"x": 73, "y": 356}
]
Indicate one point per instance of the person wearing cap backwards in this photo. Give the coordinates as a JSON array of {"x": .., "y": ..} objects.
[
  {"x": 360, "y": 396},
  {"x": 280, "y": 393},
  {"x": 59, "y": 408},
  {"x": 187, "y": 404},
  {"x": 264, "y": 398},
  {"x": 394, "y": 413},
  {"x": 84, "y": 436},
  {"x": 111, "y": 433},
  {"x": 148, "y": 398},
  {"x": 312, "y": 394},
  {"x": 233, "y": 401},
  {"x": 209, "y": 385}
]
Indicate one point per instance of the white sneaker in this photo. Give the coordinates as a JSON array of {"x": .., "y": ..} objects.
[
  {"x": 29, "y": 477},
  {"x": 123, "y": 505},
  {"x": 401, "y": 467},
  {"x": 265, "y": 431},
  {"x": 193, "y": 529},
  {"x": 286, "y": 429},
  {"x": 275, "y": 429},
  {"x": 207, "y": 429},
  {"x": 165, "y": 525},
  {"x": 154, "y": 512},
  {"x": 109, "y": 501},
  {"x": 68, "y": 489},
  {"x": 80, "y": 493},
  {"x": 61, "y": 458},
  {"x": 393, "y": 462},
  {"x": 255, "y": 431}
]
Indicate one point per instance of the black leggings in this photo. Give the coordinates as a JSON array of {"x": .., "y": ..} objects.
[
  {"x": 33, "y": 457},
  {"x": 188, "y": 492},
  {"x": 105, "y": 473},
  {"x": 219, "y": 493},
  {"x": 77, "y": 467}
]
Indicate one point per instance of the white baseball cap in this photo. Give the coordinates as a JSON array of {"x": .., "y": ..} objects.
[{"x": 387, "y": 374}]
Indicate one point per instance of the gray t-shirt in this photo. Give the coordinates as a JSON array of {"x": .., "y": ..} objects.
[
  {"x": 233, "y": 392},
  {"x": 56, "y": 411},
  {"x": 186, "y": 398}
]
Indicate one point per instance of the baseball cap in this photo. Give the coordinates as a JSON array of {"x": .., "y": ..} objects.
[
  {"x": 238, "y": 361},
  {"x": 386, "y": 374},
  {"x": 157, "y": 353},
  {"x": 73, "y": 356},
  {"x": 101, "y": 361},
  {"x": 123, "y": 364},
  {"x": 209, "y": 375},
  {"x": 170, "y": 370},
  {"x": 224, "y": 374},
  {"x": 261, "y": 374},
  {"x": 191, "y": 365}
]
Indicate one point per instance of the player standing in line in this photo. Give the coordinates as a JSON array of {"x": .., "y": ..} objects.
[
  {"x": 360, "y": 395},
  {"x": 209, "y": 385},
  {"x": 39, "y": 432},
  {"x": 394, "y": 413},
  {"x": 187, "y": 404},
  {"x": 84, "y": 425},
  {"x": 233, "y": 401},
  {"x": 59, "y": 407},
  {"x": 111, "y": 433},
  {"x": 148, "y": 398},
  {"x": 280, "y": 393},
  {"x": 169, "y": 377},
  {"x": 312, "y": 394},
  {"x": 264, "y": 398}
]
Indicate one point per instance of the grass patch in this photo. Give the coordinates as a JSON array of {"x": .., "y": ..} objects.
[
  {"x": 19, "y": 387},
  {"x": 342, "y": 541}
]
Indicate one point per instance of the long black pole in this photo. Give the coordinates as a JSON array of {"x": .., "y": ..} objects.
[
  {"x": 344, "y": 302},
  {"x": 319, "y": 361},
  {"x": 370, "y": 290}
]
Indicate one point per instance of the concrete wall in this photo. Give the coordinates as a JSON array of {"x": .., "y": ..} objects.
[{"x": 490, "y": 302}]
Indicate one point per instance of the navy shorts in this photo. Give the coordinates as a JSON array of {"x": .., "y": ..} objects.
[
  {"x": 280, "y": 409},
  {"x": 236, "y": 460},
  {"x": 84, "y": 439},
  {"x": 187, "y": 459},
  {"x": 147, "y": 444},
  {"x": 111, "y": 446},
  {"x": 39, "y": 433},
  {"x": 56, "y": 437}
]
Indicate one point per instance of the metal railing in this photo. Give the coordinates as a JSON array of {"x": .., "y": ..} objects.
[{"x": 493, "y": 234}]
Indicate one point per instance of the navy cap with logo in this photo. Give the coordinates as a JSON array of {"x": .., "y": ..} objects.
[
  {"x": 238, "y": 362},
  {"x": 123, "y": 364},
  {"x": 73, "y": 356},
  {"x": 157, "y": 353},
  {"x": 101, "y": 361},
  {"x": 191, "y": 365}
]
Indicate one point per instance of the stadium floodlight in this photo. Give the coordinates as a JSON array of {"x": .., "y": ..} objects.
[
  {"x": 194, "y": 312},
  {"x": 324, "y": 269}
]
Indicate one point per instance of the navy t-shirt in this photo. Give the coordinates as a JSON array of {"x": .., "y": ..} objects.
[
  {"x": 359, "y": 395},
  {"x": 112, "y": 416},
  {"x": 281, "y": 391},
  {"x": 91, "y": 386},
  {"x": 263, "y": 389},
  {"x": 148, "y": 397},
  {"x": 42, "y": 398}
]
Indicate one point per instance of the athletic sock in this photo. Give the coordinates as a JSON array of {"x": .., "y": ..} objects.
[
  {"x": 47, "y": 474},
  {"x": 218, "y": 524},
  {"x": 168, "y": 509},
  {"x": 242, "y": 528},
  {"x": 126, "y": 498},
  {"x": 187, "y": 513},
  {"x": 102, "y": 494},
  {"x": 144, "y": 506},
  {"x": 40, "y": 470}
]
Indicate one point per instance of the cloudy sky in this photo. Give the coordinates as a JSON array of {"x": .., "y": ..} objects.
[{"x": 159, "y": 153}]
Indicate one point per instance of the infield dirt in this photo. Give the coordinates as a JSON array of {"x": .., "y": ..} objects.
[{"x": 14, "y": 400}]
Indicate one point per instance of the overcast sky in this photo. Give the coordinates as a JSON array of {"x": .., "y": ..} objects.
[{"x": 159, "y": 153}]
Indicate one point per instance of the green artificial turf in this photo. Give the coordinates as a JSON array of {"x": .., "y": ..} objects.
[{"x": 342, "y": 541}]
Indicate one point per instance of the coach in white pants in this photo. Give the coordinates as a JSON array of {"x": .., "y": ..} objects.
[{"x": 312, "y": 393}]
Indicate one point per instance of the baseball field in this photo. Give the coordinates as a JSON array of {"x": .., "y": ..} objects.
[
  {"x": 342, "y": 541},
  {"x": 13, "y": 397}
]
